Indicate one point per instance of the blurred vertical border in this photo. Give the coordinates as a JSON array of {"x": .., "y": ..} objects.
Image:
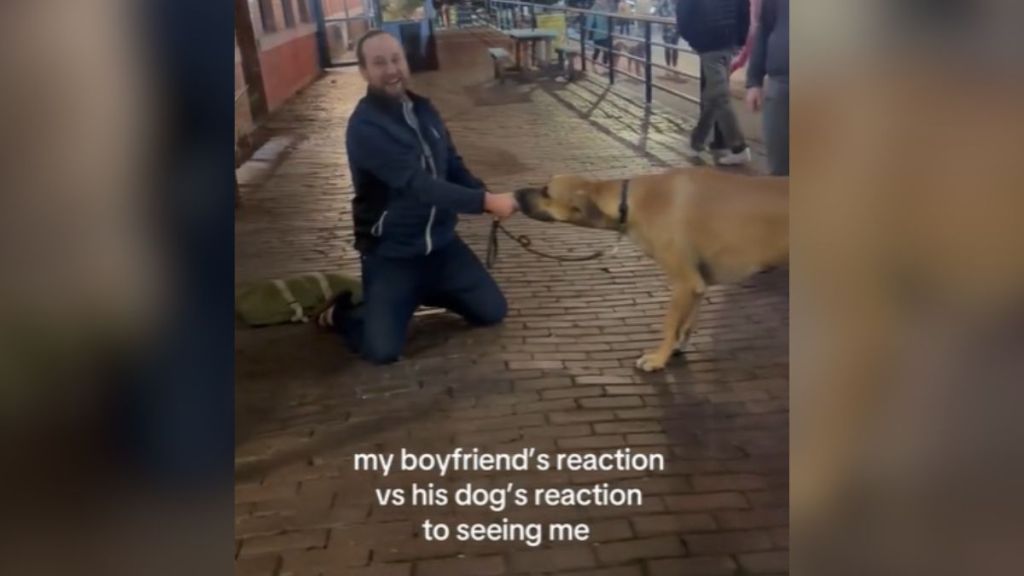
[
  {"x": 116, "y": 338},
  {"x": 907, "y": 297}
]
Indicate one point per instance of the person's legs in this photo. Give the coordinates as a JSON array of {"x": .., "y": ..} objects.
[
  {"x": 376, "y": 329},
  {"x": 463, "y": 285},
  {"x": 706, "y": 119},
  {"x": 718, "y": 139},
  {"x": 776, "y": 125},
  {"x": 715, "y": 66}
]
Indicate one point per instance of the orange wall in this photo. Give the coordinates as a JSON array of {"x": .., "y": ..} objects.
[{"x": 289, "y": 67}]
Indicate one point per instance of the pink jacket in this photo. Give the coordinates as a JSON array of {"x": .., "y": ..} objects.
[{"x": 755, "y": 16}]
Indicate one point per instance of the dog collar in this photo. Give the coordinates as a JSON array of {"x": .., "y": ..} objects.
[{"x": 624, "y": 204}]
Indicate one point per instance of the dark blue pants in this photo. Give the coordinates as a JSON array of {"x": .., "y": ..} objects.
[{"x": 452, "y": 278}]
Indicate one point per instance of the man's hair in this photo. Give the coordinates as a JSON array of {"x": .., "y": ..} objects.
[{"x": 360, "y": 54}]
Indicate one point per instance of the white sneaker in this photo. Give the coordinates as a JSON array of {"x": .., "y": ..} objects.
[
  {"x": 692, "y": 153},
  {"x": 730, "y": 158}
]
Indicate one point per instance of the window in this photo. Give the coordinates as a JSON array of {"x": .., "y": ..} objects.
[
  {"x": 304, "y": 11},
  {"x": 289, "y": 13},
  {"x": 267, "y": 16}
]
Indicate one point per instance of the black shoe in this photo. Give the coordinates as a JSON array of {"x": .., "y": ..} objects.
[{"x": 342, "y": 302}]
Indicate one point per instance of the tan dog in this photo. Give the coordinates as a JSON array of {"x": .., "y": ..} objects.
[
  {"x": 636, "y": 51},
  {"x": 702, "y": 226}
]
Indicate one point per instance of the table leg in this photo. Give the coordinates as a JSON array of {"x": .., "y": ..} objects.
[{"x": 519, "y": 56}]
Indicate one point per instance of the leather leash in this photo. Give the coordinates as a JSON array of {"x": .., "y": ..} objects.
[{"x": 526, "y": 243}]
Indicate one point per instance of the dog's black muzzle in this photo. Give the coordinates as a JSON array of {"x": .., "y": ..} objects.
[{"x": 529, "y": 200}]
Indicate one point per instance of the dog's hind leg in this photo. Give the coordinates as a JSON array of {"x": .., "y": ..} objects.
[{"x": 679, "y": 314}]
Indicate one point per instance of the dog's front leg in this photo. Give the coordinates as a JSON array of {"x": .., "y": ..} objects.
[
  {"x": 683, "y": 299},
  {"x": 683, "y": 338}
]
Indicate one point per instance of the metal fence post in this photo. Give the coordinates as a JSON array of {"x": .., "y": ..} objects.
[
  {"x": 648, "y": 71},
  {"x": 611, "y": 50},
  {"x": 323, "y": 48},
  {"x": 583, "y": 42}
]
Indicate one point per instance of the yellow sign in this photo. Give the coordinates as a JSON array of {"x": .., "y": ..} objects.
[{"x": 554, "y": 22}]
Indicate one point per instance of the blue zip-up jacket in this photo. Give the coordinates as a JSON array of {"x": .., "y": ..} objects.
[{"x": 401, "y": 208}]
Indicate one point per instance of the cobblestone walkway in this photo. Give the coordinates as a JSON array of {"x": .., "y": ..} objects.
[{"x": 557, "y": 375}]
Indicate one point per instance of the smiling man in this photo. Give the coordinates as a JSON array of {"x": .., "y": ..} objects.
[{"x": 410, "y": 185}]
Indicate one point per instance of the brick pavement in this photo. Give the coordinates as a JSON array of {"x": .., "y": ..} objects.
[{"x": 557, "y": 375}]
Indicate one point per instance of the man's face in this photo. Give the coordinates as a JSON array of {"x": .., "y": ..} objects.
[{"x": 386, "y": 70}]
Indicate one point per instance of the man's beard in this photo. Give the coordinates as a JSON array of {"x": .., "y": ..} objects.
[{"x": 383, "y": 90}]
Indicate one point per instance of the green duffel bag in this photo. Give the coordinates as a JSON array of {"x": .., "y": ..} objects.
[{"x": 293, "y": 299}]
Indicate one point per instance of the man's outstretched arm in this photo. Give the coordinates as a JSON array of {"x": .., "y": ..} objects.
[{"x": 403, "y": 172}]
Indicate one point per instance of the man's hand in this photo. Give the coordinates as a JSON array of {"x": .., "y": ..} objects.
[
  {"x": 755, "y": 98},
  {"x": 501, "y": 205}
]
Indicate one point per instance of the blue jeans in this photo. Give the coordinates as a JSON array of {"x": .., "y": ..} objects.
[{"x": 452, "y": 278}]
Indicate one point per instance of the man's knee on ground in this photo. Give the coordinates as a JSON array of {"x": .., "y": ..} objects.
[
  {"x": 493, "y": 311},
  {"x": 381, "y": 353}
]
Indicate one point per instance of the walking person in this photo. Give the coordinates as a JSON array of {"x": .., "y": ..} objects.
[
  {"x": 599, "y": 30},
  {"x": 669, "y": 33},
  {"x": 768, "y": 82},
  {"x": 715, "y": 29},
  {"x": 625, "y": 10}
]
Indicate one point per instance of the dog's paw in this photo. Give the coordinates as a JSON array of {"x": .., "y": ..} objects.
[{"x": 651, "y": 362}]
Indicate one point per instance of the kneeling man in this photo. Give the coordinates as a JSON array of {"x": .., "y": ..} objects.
[{"x": 410, "y": 184}]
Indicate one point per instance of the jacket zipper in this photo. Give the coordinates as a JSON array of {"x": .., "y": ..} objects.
[
  {"x": 378, "y": 228},
  {"x": 428, "y": 164},
  {"x": 430, "y": 243}
]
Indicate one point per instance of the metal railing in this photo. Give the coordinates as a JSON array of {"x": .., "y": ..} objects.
[{"x": 506, "y": 14}]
